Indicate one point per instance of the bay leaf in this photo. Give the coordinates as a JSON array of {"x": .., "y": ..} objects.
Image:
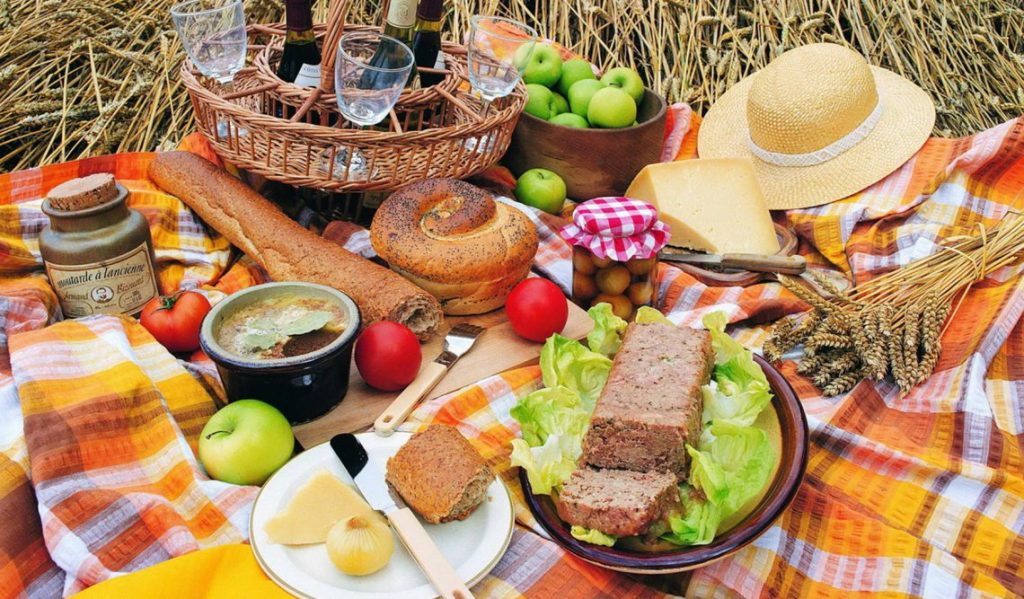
[
  {"x": 307, "y": 323},
  {"x": 255, "y": 342}
]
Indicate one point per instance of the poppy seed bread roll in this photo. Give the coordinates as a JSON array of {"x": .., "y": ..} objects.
[
  {"x": 454, "y": 240},
  {"x": 286, "y": 249}
]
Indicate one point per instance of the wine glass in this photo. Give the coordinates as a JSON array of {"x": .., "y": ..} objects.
[
  {"x": 369, "y": 75},
  {"x": 498, "y": 51},
  {"x": 213, "y": 35}
]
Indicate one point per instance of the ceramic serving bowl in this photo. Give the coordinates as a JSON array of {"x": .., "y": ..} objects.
[
  {"x": 593, "y": 162},
  {"x": 790, "y": 438},
  {"x": 302, "y": 387}
]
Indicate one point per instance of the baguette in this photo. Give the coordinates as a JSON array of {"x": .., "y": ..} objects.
[{"x": 288, "y": 251}]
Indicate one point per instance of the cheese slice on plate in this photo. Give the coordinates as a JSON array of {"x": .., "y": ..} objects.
[
  {"x": 713, "y": 205},
  {"x": 314, "y": 509}
]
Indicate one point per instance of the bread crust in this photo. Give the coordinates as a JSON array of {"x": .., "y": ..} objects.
[
  {"x": 439, "y": 474},
  {"x": 288, "y": 251},
  {"x": 454, "y": 240}
]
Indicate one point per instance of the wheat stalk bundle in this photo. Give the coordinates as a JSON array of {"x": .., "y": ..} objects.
[
  {"x": 87, "y": 77},
  {"x": 891, "y": 324}
]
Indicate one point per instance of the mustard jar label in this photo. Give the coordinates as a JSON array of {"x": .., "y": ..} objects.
[{"x": 120, "y": 285}]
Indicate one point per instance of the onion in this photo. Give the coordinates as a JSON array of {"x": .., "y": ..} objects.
[{"x": 361, "y": 544}]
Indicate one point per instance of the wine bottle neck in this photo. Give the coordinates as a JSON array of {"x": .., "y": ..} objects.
[
  {"x": 401, "y": 14},
  {"x": 430, "y": 10},
  {"x": 298, "y": 15}
]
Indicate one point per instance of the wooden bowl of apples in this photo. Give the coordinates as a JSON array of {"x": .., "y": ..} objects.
[{"x": 583, "y": 128}]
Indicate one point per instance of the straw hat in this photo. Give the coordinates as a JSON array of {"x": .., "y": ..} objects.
[{"x": 819, "y": 124}]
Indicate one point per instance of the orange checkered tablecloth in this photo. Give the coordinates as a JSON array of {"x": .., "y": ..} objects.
[{"x": 905, "y": 495}]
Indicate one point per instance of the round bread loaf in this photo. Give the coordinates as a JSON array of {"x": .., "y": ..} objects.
[{"x": 455, "y": 241}]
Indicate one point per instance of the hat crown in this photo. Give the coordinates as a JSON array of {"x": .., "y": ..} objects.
[{"x": 809, "y": 98}]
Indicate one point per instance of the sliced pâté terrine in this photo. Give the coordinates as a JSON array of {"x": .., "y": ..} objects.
[
  {"x": 617, "y": 502},
  {"x": 650, "y": 407}
]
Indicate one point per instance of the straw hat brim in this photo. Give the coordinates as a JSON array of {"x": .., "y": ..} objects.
[{"x": 908, "y": 116}]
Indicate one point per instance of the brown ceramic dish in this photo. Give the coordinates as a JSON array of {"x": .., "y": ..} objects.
[
  {"x": 780, "y": 492},
  {"x": 593, "y": 162}
]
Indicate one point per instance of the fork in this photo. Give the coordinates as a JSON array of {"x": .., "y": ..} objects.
[{"x": 456, "y": 344}]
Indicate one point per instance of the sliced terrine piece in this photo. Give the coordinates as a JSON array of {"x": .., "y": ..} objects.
[
  {"x": 650, "y": 407},
  {"x": 617, "y": 502}
]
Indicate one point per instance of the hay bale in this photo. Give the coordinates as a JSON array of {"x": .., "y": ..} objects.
[{"x": 86, "y": 77}]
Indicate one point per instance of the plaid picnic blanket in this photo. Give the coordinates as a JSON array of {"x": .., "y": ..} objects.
[{"x": 913, "y": 495}]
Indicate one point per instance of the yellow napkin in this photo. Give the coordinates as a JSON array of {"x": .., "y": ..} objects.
[{"x": 226, "y": 571}]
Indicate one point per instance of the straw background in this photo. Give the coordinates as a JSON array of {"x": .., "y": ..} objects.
[{"x": 87, "y": 77}]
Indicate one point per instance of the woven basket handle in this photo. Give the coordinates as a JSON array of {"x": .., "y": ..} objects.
[{"x": 336, "y": 15}]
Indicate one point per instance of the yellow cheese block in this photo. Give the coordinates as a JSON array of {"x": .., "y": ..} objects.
[
  {"x": 713, "y": 205},
  {"x": 314, "y": 509}
]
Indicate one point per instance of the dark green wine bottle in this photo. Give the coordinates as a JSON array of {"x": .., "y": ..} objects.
[
  {"x": 400, "y": 23},
  {"x": 300, "y": 63},
  {"x": 426, "y": 43}
]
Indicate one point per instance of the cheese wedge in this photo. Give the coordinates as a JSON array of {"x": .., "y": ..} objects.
[
  {"x": 314, "y": 509},
  {"x": 713, "y": 205}
]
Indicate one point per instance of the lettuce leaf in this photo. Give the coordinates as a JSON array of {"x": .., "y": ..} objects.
[
  {"x": 554, "y": 411},
  {"x": 592, "y": 536},
  {"x": 548, "y": 465},
  {"x": 606, "y": 336},
  {"x": 732, "y": 465},
  {"x": 553, "y": 422},
  {"x": 740, "y": 391},
  {"x": 566, "y": 363},
  {"x": 647, "y": 314},
  {"x": 699, "y": 522}
]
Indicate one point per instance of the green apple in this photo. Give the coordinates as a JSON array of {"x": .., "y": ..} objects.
[
  {"x": 541, "y": 101},
  {"x": 245, "y": 442},
  {"x": 627, "y": 80},
  {"x": 541, "y": 189},
  {"x": 561, "y": 104},
  {"x": 580, "y": 94},
  {"x": 545, "y": 66},
  {"x": 574, "y": 70},
  {"x": 570, "y": 119},
  {"x": 611, "y": 108}
]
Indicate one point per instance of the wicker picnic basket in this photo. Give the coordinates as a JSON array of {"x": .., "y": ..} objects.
[{"x": 436, "y": 131}]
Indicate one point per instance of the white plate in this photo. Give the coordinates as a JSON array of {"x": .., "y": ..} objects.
[{"x": 473, "y": 546}]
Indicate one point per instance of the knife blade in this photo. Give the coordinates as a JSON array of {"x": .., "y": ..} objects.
[
  {"x": 792, "y": 265},
  {"x": 368, "y": 475}
]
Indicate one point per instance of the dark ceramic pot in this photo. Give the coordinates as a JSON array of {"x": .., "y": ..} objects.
[
  {"x": 302, "y": 387},
  {"x": 791, "y": 435}
]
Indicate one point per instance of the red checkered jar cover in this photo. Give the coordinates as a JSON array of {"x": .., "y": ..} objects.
[{"x": 617, "y": 228}]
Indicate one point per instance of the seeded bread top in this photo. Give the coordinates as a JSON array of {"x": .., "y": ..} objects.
[{"x": 85, "y": 192}]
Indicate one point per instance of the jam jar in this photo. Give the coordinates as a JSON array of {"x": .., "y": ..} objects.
[{"x": 615, "y": 243}]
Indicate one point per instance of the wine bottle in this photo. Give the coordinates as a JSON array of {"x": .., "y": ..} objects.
[
  {"x": 400, "y": 23},
  {"x": 300, "y": 63},
  {"x": 426, "y": 43}
]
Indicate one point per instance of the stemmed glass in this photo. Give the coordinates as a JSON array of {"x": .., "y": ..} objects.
[
  {"x": 369, "y": 75},
  {"x": 213, "y": 35},
  {"x": 370, "y": 72},
  {"x": 498, "y": 51}
]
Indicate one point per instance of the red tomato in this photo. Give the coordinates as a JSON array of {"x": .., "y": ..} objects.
[
  {"x": 537, "y": 309},
  {"x": 388, "y": 355},
  {"x": 174, "y": 320}
]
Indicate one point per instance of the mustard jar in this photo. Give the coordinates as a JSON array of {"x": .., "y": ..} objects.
[{"x": 97, "y": 251}]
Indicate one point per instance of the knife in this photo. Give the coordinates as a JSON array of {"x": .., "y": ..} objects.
[
  {"x": 369, "y": 478},
  {"x": 790, "y": 265}
]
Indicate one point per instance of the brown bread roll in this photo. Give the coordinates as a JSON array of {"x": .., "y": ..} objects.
[
  {"x": 454, "y": 240},
  {"x": 288, "y": 251}
]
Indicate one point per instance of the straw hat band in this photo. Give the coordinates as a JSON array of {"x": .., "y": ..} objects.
[{"x": 844, "y": 143}]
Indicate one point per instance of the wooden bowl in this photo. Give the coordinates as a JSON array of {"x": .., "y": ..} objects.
[
  {"x": 792, "y": 438},
  {"x": 593, "y": 162}
]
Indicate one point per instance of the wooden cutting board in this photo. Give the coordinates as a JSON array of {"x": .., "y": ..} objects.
[{"x": 498, "y": 349}]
